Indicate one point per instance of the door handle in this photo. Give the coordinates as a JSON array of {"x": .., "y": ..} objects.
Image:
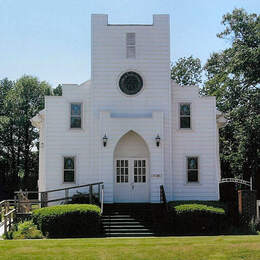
[{"x": 132, "y": 185}]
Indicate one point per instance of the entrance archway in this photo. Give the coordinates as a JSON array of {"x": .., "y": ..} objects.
[{"x": 131, "y": 169}]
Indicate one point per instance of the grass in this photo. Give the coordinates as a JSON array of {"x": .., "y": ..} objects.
[{"x": 173, "y": 248}]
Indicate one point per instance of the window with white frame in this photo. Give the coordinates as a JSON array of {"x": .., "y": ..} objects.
[
  {"x": 185, "y": 116},
  {"x": 192, "y": 169},
  {"x": 75, "y": 115},
  {"x": 139, "y": 171},
  {"x": 130, "y": 45},
  {"x": 122, "y": 169},
  {"x": 69, "y": 169}
]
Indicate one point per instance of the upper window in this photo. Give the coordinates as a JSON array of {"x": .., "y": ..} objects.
[
  {"x": 69, "y": 169},
  {"x": 130, "y": 45},
  {"x": 75, "y": 115},
  {"x": 193, "y": 169},
  {"x": 185, "y": 116}
]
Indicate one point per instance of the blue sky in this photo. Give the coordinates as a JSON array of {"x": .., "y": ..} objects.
[{"x": 50, "y": 39}]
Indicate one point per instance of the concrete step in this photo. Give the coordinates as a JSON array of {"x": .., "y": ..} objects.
[
  {"x": 119, "y": 220},
  {"x": 129, "y": 215},
  {"x": 116, "y": 216},
  {"x": 127, "y": 220},
  {"x": 124, "y": 227},
  {"x": 121, "y": 223},
  {"x": 146, "y": 234},
  {"x": 127, "y": 230},
  {"x": 127, "y": 210}
]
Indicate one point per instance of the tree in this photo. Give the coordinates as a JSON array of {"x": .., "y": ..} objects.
[
  {"x": 21, "y": 101},
  {"x": 58, "y": 90},
  {"x": 243, "y": 30},
  {"x": 233, "y": 76},
  {"x": 187, "y": 71},
  {"x": 5, "y": 152}
]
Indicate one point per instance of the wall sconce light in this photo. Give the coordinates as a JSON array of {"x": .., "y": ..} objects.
[
  {"x": 105, "y": 140},
  {"x": 158, "y": 140}
]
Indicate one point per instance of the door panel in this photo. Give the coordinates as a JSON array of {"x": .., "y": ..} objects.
[
  {"x": 141, "y": 187},
  {"x": 131, "y": 180},
  {"x": 122, "y": 189}
]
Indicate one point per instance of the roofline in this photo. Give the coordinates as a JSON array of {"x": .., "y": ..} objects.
[
  {"x": 103, "y": 20},
  {"x": 130, "y": 24}
]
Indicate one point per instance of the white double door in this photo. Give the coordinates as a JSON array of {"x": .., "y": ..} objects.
[{"x": 131, "y": 180}]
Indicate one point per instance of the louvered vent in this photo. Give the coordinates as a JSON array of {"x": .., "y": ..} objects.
[{"x": 130, "y": 45}]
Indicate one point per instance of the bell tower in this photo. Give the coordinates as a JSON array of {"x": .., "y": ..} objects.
[{"x": 130, "y": 64}]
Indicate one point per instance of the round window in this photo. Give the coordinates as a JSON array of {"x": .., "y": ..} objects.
[{"x": 130, "y": 83}]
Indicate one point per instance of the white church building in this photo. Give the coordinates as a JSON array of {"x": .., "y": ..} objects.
[{"x": 130, "y": 126}]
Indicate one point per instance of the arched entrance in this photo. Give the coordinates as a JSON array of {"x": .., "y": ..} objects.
[{"x": 131, "y": 169}]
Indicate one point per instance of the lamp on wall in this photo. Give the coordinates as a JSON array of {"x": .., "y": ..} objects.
[
  {"x": 105, "y": 140},
  {"x": 158, "y": 140}
]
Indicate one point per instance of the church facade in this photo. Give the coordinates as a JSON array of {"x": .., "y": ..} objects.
[{"x": 130, "y": 126}]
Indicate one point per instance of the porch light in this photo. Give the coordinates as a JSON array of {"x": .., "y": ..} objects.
[
  {"x": 158, "y": 140},
  {"x": 105, "y": 140}
]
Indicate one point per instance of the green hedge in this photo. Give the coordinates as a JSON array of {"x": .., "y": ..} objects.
[
  {"x": 77, "y": 220},
  {"x": 197, "y": 217}
]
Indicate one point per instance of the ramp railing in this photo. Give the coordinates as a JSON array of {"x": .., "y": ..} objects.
[
  {"x": 25, "y": 204},
  {"x": 7, "y": 214}
]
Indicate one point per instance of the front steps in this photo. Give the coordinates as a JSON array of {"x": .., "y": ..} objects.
[{"x": 127, "y": 220}]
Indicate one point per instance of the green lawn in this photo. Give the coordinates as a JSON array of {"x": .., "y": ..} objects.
[{"x": 187, "y": 248}]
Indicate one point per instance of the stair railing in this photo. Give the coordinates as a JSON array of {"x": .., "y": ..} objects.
[
  {"x": 7, "y": 214},
  {"x": 5, "y": 206},
  {"x": 163, "y": 199},
  {"x": 9, "y": 219},
  {"x": 101, "y": 198}
]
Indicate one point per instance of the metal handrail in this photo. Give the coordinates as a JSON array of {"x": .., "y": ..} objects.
[
  {"x": 21, "y": 198},
  {"x": 43, "y": 200},
  {"x": 28, "y": 192},
  {"x": 163, "y": 199},
  {"x": 4, "y": 207},
  {"x": 9, "y": 213},
  {"x": 67, "y": 188},
  {"x": 3, "y": 201},
  {"x": 75, "y": 187},
  {"x": 102, "y": 199},
  {"x": 9, "y": 220}
]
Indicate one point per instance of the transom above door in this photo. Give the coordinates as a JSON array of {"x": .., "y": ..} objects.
[{"x": 131, "y": 180}]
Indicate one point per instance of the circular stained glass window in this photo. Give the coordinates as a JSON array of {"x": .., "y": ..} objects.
[{"x": 130, "y": 83}]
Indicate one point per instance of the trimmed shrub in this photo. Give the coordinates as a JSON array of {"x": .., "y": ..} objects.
[
  {"x": 27, "y": 230},
  {"x": 24, "y": 230},
  {"x": 73, "y": 220},
  {"x": 197, "y": 217}
]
